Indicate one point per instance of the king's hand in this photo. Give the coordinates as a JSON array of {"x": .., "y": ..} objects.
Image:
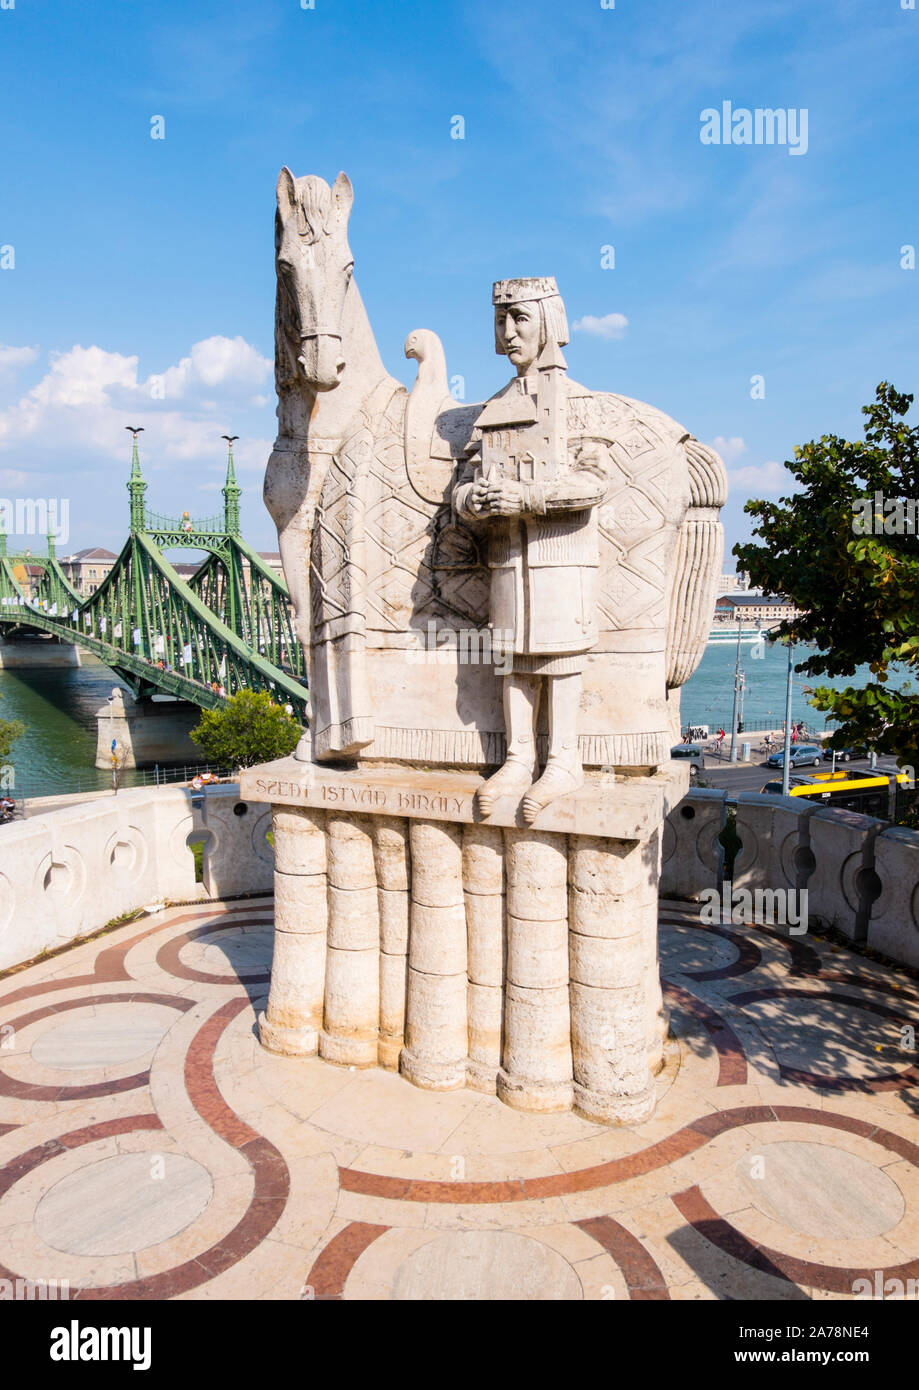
[{"x": 498, "y": 498}]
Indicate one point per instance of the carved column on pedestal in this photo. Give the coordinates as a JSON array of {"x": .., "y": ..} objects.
[
  {"x": 613, "y": 913},
  {"x": 536, "y": 1072},
  {"x": 483, "y": 883},
  {"x": 393, "y": 871},
  {"x": 352, "y": 985},
  {"x": 436, "y": 1043},
  {"x": 292, "y": 1020},
  {"x": 658, "y": 1012}
]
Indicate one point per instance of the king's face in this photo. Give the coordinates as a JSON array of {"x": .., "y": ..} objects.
[{"x": 517, "y": 329}]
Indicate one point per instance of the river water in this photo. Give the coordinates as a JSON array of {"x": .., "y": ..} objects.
[
  {"x": 58, "y": 707},
  {"x": 708, "y": 694}
]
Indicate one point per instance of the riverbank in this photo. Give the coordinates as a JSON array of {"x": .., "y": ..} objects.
[
  {"x": 708, "y": 695},
  {"x": 58, "y": 706}
]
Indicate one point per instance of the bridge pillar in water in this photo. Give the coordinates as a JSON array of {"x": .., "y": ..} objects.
[
  {"x": 37, "y": 651},
  {"x": 145, "y": 731}
]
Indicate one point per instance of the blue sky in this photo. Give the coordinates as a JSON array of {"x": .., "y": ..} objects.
[{"x": 137, "y": 258}]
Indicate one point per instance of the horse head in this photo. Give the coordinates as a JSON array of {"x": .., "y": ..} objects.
[{"x": 314, "y": 267}]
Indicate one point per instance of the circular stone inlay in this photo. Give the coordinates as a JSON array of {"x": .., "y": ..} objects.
[
  {"x": 123, "y": 1204},
  {"x": 110, "y": 1037},
  {"x": 239, "y": 951},
  {"x": 825, "y": 1036},
  {"x": 819, "y": 1190},
  {"x": 485, "y": 1265}
]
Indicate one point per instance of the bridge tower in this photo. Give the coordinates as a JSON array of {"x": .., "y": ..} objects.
[
  {"x": 136, "y": 486},
  {"x": 231, "y": 492}
]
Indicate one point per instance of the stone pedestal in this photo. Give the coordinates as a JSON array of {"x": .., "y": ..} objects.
[{"x": 520, "y": 961}]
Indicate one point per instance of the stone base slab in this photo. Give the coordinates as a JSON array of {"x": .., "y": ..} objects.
[
  {"x": 621, "y": 807},
  {"x": 613, "y": 1109},
  {"x": 431, "y": 1075},
  {"x": 537, "y": 1097},
  {"x": 288, "y": 1042},
  {"x": 345, "y": 1051}
]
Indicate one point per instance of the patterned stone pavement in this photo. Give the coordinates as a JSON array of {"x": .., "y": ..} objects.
[{"x": 149, "y": 1148}]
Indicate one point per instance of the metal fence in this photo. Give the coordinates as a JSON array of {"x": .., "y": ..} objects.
[
  {"x": 759, "y": 720},
  {"x": 81, "y": 784}
]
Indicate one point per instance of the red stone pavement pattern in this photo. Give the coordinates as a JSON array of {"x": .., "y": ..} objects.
[{"x": 781, "y": 1161}]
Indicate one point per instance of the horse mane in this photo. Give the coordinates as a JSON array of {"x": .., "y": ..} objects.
[{"x": 315, "y": 208}]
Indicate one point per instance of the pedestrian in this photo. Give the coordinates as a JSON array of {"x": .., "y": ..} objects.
[{"x": 794, "y": 733}]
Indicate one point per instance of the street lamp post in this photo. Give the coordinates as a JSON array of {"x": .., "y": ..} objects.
[
  {"x": 786, "y": 759},
  {"x": 110, "y": 701},
  {"x": 737, "y": 685},
  {"x": 114, "y": 743},
  {"x": 833, "y": 764}
]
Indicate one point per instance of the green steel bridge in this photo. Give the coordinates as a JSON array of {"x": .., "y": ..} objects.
[{"x": 200, "y": 640}]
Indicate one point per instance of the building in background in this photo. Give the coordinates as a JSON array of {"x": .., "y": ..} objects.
[
  {"x": 757, "y": 610},
  {"x": 86, "y": 569},
  {"x": 734, "y": 583},
  {"x": 28, "y": 577}
]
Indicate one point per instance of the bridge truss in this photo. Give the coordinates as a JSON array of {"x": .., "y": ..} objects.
[{"x": 226, "y": 629}]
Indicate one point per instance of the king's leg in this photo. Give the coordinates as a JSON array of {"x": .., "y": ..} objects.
[
  {"x": 564, "y": 769},
  {"x": 521, "y": 702}
]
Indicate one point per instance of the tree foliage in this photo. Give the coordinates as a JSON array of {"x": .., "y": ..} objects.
[
  {"x": 845, "y": 549},
  {"x": 10, "y": 730},
  {"x": 250, "y": 729}
]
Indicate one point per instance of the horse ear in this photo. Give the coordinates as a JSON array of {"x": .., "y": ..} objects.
[
  {"x": 342, "y": 197},
  {"x": 286, "y": 191}
]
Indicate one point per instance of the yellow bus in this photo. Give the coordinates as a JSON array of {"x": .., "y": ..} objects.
[{"x": 866, "y": 791}]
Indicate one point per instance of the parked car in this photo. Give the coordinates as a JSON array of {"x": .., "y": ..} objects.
[
  {"x": 801, "y": 755},
  {"x": 691, "y": 752},
  {"x": 844, "y": 755}
]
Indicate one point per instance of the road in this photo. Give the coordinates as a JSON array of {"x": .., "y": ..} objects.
[{"x": 752, "y": 776}]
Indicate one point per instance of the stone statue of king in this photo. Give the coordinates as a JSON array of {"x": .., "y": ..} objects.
[{"x": 538, "y": 499}]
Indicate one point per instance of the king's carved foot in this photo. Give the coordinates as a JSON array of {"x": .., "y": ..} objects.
[
  {"x": 513, "y": 776},
  {"x": 559, "y": 779},
  {"x": 303, "y": 752}
]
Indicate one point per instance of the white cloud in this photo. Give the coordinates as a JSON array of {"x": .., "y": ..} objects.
[
  {"x": 766, "y": 478},
  {"x": 88, "y": 395},
  {"x": 729, "y": 449},
  {"x": 12, "y": 358},
  {"x": 66, "y": 435},
  {"x": 609, "y": 326},
  {"x": 216, "y": 362}
]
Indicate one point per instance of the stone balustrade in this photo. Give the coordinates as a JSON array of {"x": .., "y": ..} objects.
[
  {"x": 691, "y": 856},
  {"x": 238, "y": 857},
  {"x": 66, "y": 874},
  {"x": 861, "y": 876},
  {"x": 69, "y": 872}
]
